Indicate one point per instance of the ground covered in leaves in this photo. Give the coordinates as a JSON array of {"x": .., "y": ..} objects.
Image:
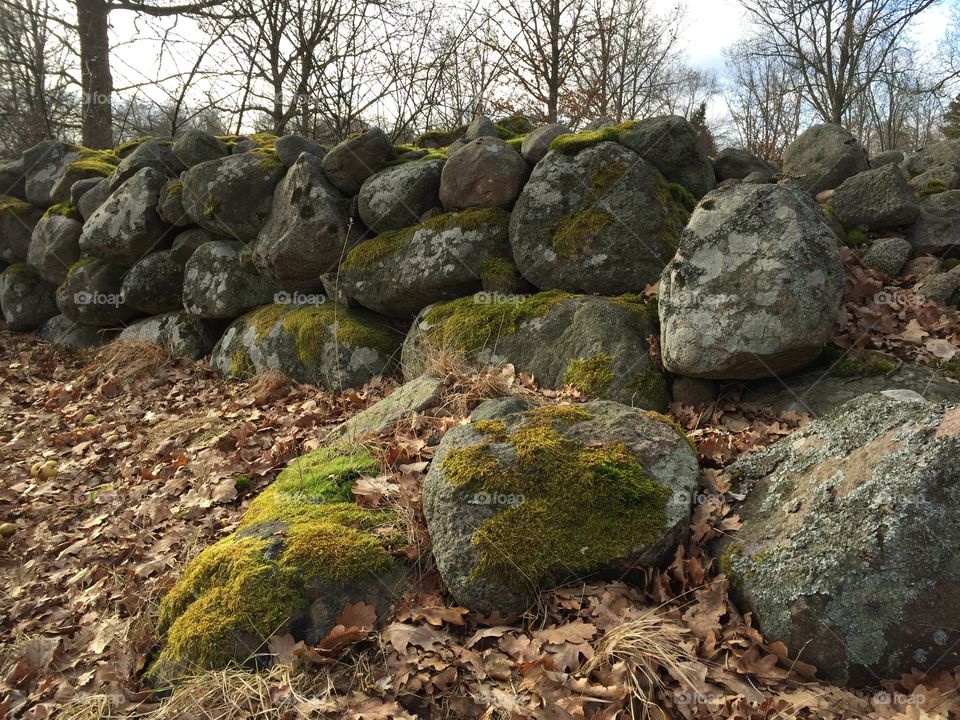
[{"x": 117, "y": 466}]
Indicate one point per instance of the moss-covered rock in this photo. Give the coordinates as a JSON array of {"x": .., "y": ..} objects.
[
  {"x": 91, "y": 294},
  {"x": 518, "y": 502},
  {"x": 325, "y": 345},
  {"x": 351, "y": 162},
  {"x": 399, "y": 273},
  {"x": 551, "y": 335},
  {"x": 399, "y": 196},
  {"x": 216, "y": 286},
  {"x": 848, "y": 549},
  {"x": 17, "y": 221},
  {"x": 671, "y": 145},
  {"x": 55, "y": 246},
  {"x": 302, "y": 552},
  {"x": 179, "y": 333},
  {"x": 42, "y": 166},
  {"x": 156, "y": 154},
  {"x": 195, "y": 147},
  {"x": 26, "y": 300},
  {"x": 602, "y": 221},
  {"x": 86, "y": 165}
]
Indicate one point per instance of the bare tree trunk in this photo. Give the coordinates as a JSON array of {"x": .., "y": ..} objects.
[{"x": 95, "y": 76}]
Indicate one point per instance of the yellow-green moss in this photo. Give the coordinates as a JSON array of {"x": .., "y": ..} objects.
[
  {"x": 950, "y": 263},
  {"x": 645, "y": 310},
  {"x": 856, "y": 238},
  {"x": 572, "y": 143},
  {"x": 590, "y": 375},
  {"x": 934, "y": 187},
  {"x": 240, "y": 363},
  {"x": 580, "y": 506},
  {"x": 499, "y": 274},
  {"x": 264, "y": 140},
  {"x": 210, "y": 207},
  {"x": 269, "y": 160},
  {"x": 468, "y": 325},
  {"x": 731, "y": 555},
  {"x": 14, "y": 206},
  {"x": 95, "y": 162},
  {"x": 574, "y": 233},
  {"x": 866, "y": 365},
  {"x": 673, "y": 199},
  {"x": 171, "y": 189},
  {"x": 494, "y": 429},
  {"x": 516, "y": 142},
  {"x": 64, "y": 209},
  {"x": 326, "y": 474},
  {"x": 383, "y": 245},
  {"x": 650, "y": 387},
  {"x": 125, "y": 148},
  {"x": 673, "y": 424},
  {"x": 253, "y": 581}
]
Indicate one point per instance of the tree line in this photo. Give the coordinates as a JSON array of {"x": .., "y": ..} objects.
[{"x": 326, "y": 68}]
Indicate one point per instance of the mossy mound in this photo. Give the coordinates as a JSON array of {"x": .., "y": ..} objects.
[
  {"x": 301, "y": 535},
  {"x": 519, "y": 502},
  {"x": 572, "y": 143},
  {"x": 326, "y": 344}
]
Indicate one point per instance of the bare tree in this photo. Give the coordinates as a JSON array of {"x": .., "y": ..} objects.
[
  {"x": 540, "y": 47},
  {"x": 764, "y": 104},
  {"x": 837, "y": 47}
]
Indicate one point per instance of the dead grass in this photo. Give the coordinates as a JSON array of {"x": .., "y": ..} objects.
[{"x": 125, "y": 361}]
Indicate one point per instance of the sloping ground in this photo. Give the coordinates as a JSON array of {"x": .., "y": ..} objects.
[{"x": 154, "y": 460}]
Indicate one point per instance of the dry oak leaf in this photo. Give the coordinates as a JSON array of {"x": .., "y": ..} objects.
[{"x": 401, "y": 636}]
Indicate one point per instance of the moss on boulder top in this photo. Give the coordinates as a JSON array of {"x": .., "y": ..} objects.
[
  {"x": 302, "y": 551},
  {"x": 518, "y": 502}
]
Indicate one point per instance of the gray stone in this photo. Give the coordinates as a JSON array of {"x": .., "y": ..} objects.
[
  {"x": 486, "y": 172},
  {"x": 306, "y": 232},
  {"x": 888, "y": 157},
  {"x": 26, "y": 300},
  {"x": 598, "y": 345},
  {"x": 670, "y": 143},
  {"x": 930, "y": 182},
  {"x": 290, "y": 147},
  {"x": 922, "y": 266},
  {"x": 179, "y": 333},
  {"x": 758, "y": 178},
  {"x": 482, "y": 126},
  {"x": 887, "y": 255},
  {"x": 54, "y": 247},
  {"x": 823, "y": 157},
  {"x": 244, "y": 146},
  {"x": 195, "y": 147},
  {"x": 232, "y": 196},
  {"x": 536, "y": 144},
  {"x": 738, "y": 164},
  {"x": 407, "y": 400},
  {"x": 13, "y": 179},
  {"x": 754, "y": 288},
  {"x": 127, "y": 226},
  {"x": 938, "y": 154},
  {"x": 351, "y": 162},
  {"x": 324, "y": 345},
  {"x": 42, "y": 165},
  {"x": 538, "y": 527},
  {"x": 455, "y": 147},
  {"x": 154, "y": 284},
  {"x": 397, "y": 197},
  {"x": 187, "y": 242},
  {"x": 78, "y": 168},
  {"x": 847, "y": 551},
  {"x": 216, "y": 287},
  {"x": 156, "y": 154},
  {"x": 601, "y": 221},
  {"x": 941, "y": 288},
  {"x": 937, "y": 229},
  {"x": 875, "y": 199},
  {"x": 94, "y": 198},
  {"x": 170, "y": 206},
  {"x": 91, "y": 294},
  {"x": 444, "y": 258},
  {"x": 61, "y": 330},
  {"x": 80, "y": 188},
  {"x": 17, "y": 222}
]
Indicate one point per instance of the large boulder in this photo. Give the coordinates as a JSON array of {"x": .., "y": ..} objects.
[
  {"x": 61, "y": 330},
  {"x": 94, "y": 198},
  {"x": 156, "y": 154},
  {"x": 232, "y": 196},
  {"x": 937, "y": 229},
  {"x": 754, "y": 288},
  {"x": 399, "y": 196},
  {"x": 401, "y": 272},
  {"x": 598, "y": 345},
  {"x": 938, "y": 154},
  {"x": 305, "y": 234},
  {"x": 536, "y": 143},
  {"x": 17, "y": 221},
  {"x": 154, "y": 284},
  {"x": 55, "y": 246},
  {"x": 600, "y": 221},
  {"x": 81, "y": 188},
  {"x": 303, "y": 551},
  {"x": 92, "y": 294},
  {"x": 291, "y": 147},
  {"x": 670, "y": 143},
  {"x": 480, "y": 126},
  {"x": 413, "y": 397},
  {"x": 185, "y": 244},
  {"x": 215, "y": 286},
  {"x": 179, "y": 333},
  {"x": 26, "y": 299},
  {"x": 85, "y": 165},
  {"x": 42, "y": 165},
  {"x": 822, "y": 157},
  {"x": 875, "y": 200},
  {"x": 520, "y": 502},
  {"x": 170, "y": 206},
  {"x": 326, "y": 345},
  {"x": 737, "y": 164},
  {"x": 13, "y": 178},
  {"x": 485, "y": 172},
  {"x": 127, "y": 226},
  {"x": 195, "y": 147},
  {"x": 351, "y": 162},
  {"x": 848, "y": 552},
  {"x": 887, "y": 255},
  {"x": 939, "y": 179}
]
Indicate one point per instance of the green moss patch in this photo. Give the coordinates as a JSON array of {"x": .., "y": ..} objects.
[
  {"x": 572, "y": 143},
  {"x": 127, "y": 147},
  {"x": 251, "y": 583},
  {"x": 499, "y": 274},
  {"x": 100, "y": 163},
  {"x": 574, "y": 233},
  {"x": 14, "y": 206},
  {"x": 934, "y": 187},
  {"x": 582, "y": 506},
  {"x": 591, "y": 376},
  {"x": 64, "y": 209},
  {"x": 171, "y": 189},
  {"x": 856, "y": 238},
  {"x": 677, "y": 204},
  {"x": 866, "y": 365},
  {"x": 650, "y": 387}
]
